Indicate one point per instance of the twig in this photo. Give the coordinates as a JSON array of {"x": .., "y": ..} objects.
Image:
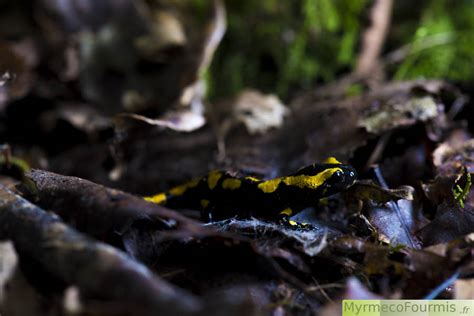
[
  {"x": 394, "y": 206},
  {"x": 401, "y": 53},
  {"x": 215, "y": 34},
  {"x": 378, "y": 150},
  {"x": 368, "y": 64},
  {"x": 457, "y": 106},
  {"x": 440, "y": 288},
  {"x": 374, "y": 37}
]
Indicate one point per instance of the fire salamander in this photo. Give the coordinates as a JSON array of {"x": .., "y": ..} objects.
[{"x": 220, "y": 195}]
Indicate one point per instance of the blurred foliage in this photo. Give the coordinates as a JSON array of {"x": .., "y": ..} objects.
[
  {"x": 283, "y": 46},
  {"x": 277, "y": 45},
  {"x": 442, "y": 44}
]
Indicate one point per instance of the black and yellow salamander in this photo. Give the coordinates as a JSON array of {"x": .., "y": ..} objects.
[{"x": 220, "y": 195}]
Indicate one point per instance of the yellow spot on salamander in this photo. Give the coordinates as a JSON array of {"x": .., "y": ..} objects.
[
  {"x": 158, "y": 198},
  {"x": 332, "y": 160},
  {"x": 180, "y": 189},
  {"x": 301, "y": 181},
  {"x": 287, "y": 211},
  {"x": 205, "y": 203},
  {"x": 293, "y": 223},
  {"x": 269, "y": 186},
  {"x": 310, "y": 182},
  {"x": 252, "y": 179},
  {"x": 231, "y": 184},
  {"x": 193, "y": 183},
  {"x": 213, "y": 178}
]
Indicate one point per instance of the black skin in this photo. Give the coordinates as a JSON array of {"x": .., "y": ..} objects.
[{"x": 250, "y": 201}]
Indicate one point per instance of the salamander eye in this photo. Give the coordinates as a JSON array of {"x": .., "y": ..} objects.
[
  {"x": 350, "y": 177},
  {"x": 338, "y": 174}
]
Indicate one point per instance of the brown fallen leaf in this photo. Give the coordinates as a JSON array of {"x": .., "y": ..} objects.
[
  {"x": 389, "y": 116},
  {"x": 450, "y": 193}
]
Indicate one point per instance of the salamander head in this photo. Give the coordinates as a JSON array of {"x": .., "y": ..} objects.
[
  {"x": 331, "y": 176},
  {"x": 342, "y": 179}
]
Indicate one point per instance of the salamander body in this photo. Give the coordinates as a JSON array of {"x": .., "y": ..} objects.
[{"x": 220, "y": 195}]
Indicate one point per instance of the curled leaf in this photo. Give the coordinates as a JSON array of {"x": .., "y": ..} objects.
[{"x": 367, "y": 190}]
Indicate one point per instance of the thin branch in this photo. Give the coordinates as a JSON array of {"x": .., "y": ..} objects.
[
  {"x": 97, "y": 210},
  {"x": 428, "y": 42},
  {"x": 374, "y": 37}
]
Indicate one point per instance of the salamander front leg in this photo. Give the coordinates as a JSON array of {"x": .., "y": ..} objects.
[{"x": 284, "y": 219}]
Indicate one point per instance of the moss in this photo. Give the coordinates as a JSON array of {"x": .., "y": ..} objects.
[
  {"x": 441, "y": 46},
  {"x": 285, "y": 46},
  {"x": 279, "y": 45}
]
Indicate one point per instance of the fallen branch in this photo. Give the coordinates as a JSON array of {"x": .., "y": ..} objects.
[
  {"x": 98, "y": 270},
  {"x": 98, "y": 210}
]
